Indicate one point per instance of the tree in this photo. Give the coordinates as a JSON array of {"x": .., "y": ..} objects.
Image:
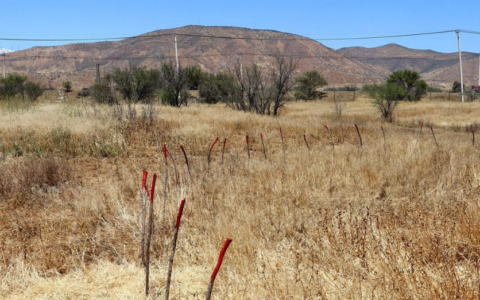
[
  {"x": 307, "y": 85},
  {"x": 195, "y": 76},
  {"x": 457, "y": 87},
  {"x": 67, "y": 86},
  {"x": 214, "y": 88},
  {"x": 282, "y": 80},
  {"x": 136, "y": 84},
  {"x": 411, "y": 83},
  {"x": 252, "y": 89},
  {"x": 386, "y": 97},
  {"x": 12, "y": 86},
  {"x": 103, "y": 91},
  {"x": 32, "y": 91},
  {"x": 174, "y": 84},
  {"x": 16, "y": 85}
]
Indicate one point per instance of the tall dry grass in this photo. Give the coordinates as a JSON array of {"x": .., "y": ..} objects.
[{"x": 389, "y": 221}]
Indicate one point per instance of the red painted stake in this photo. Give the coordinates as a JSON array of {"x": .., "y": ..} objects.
[
  {"x": 174, "y": 246},
  {"x": 217, "y": 267},
  {"x": 210, "y": 151}
]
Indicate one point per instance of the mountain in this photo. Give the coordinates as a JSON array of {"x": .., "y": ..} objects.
[
  {"x": 76, "y": 62},
  {"x": 435, "y": 67}
]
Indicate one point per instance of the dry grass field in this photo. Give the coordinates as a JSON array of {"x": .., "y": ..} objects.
[{"x": 398, "y": 219}]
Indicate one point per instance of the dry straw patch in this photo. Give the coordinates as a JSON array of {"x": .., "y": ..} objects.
[{"x": 363, "y": 224}]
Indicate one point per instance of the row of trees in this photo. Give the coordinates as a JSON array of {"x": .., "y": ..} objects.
[{"x": 250, "y": 89}]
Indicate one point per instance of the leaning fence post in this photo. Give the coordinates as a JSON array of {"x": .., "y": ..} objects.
[
  {"x": 223, "y": 149},
  {"x": 165, "y": 155},
  {"x": 174, "y": 246},
  {"x": 263, "y": 146},
  {"x": 433, "y": 133},
  {"x": 331, "y": 139},
  {"x": 248, "y": 146},
  {"x": 217, "y": 267},
  {"x": 419, "y": 134},
  {"x": 209, "y": 158},
  {"x": 359, "y": 137},
  {"x": 149, "y": 236},
  {"x": 384, "y": 141},
  {"x": 186, "y": 162}
]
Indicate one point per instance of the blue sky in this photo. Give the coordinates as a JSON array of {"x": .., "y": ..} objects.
[{"x": 314, "y": 19}]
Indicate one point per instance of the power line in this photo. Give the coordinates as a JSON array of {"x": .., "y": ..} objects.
[{"x": 232, "y": 37}]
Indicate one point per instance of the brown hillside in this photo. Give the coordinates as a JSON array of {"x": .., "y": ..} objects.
[
  {"x": 435, "y": 67},
  {"x": 76, "y": 62}
]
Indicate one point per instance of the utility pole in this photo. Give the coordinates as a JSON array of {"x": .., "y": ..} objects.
[
  {"x": 178, "y": 72},
  {"x": 241, "y": 65},
  {"x": 4, "y": 68},
  {"x": 460, "y": 60},
  {"x": 176, "y": 53},
  {"x": 478, "y": 68},
  {"x": 97, "y": 73}
]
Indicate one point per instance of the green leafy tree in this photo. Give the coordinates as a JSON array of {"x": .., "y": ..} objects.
[
  {"x": 307, "y": 85},
  {"x": 174, "y": 84},
  {"x": 103, "y": 91},
  {"x": 136, "y": 84},
  {"x": 16, "y": 85},
  {"x": 214, "y": 88},
  {"x": 12, "y": 86},
  {"x": 67, "y": 86},
  {"x": 195, "y": 76},
  {"x": 385, "y": 98},
  {"x": 412, "y": 84},
  {"x": 456, "y": 87},
  {"x": 32, "y": 91}
]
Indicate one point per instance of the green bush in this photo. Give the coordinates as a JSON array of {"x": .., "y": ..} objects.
[
  {"x": 16, "y": 85},
  {"x": 67, "y": 86}
]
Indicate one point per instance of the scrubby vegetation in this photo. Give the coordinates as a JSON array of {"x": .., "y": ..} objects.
[{"x": 397, "y": 215}]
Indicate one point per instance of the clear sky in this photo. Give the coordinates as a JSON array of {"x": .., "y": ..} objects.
[{"x": 314, "y": 19}]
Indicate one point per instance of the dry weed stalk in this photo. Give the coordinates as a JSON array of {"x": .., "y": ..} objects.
[
  {"x": 174, "y": 246},
  {"x": 217, "y": 268}
]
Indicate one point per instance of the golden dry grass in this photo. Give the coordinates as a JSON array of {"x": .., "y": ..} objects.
[{"x": 394, "y": 221}]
